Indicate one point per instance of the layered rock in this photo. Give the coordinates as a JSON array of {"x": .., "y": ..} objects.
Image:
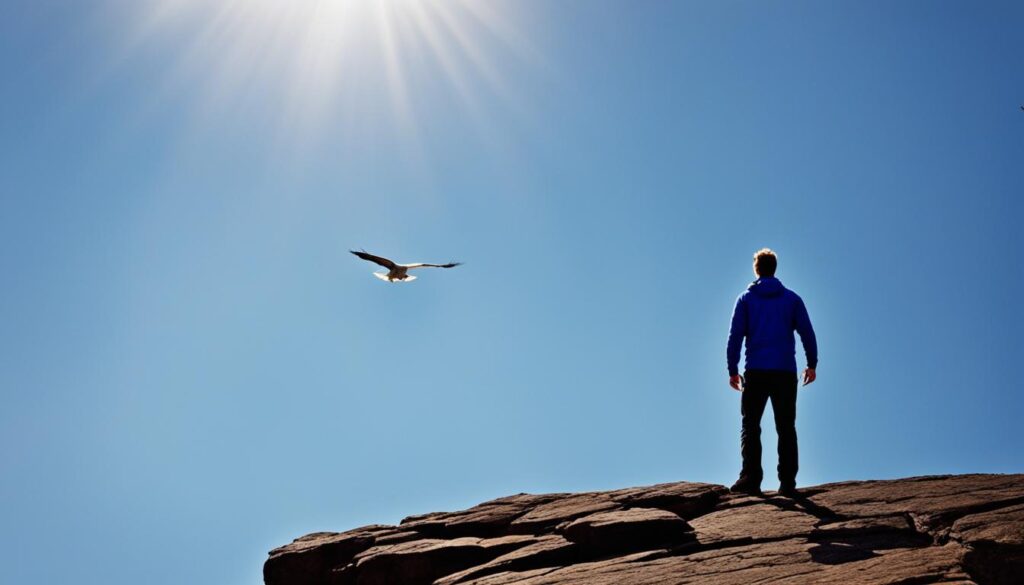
[{"x": 937, "y": 529}]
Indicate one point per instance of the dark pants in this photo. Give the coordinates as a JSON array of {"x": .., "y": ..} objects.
[{"x": 758, "y": 387}]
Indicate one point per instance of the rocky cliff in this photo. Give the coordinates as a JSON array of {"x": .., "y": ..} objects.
[{"x": 937, "y": 529}]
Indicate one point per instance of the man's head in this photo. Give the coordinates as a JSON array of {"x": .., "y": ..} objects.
[{"x": 765, "y": 263}]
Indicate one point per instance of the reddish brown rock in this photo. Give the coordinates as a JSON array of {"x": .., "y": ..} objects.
[
  {"x": 934, "y": 502},
  {"x": 422, "y": 561},
  {"x": 685, "y": 499},
  {"x": 872, "y": 525},
  {"x": 547, "y": 551},
  {"x": 308, "y": 560},
  {"x": 994, "y": 544},
  {"x": 486, "y": 519},
  {"x": 510, "y": 577},
  {"x": 1002, "y": 526},
  {"x": 394, "y": 537},
  {"x": 876, "y": 533},
  {"x": 739, "y": 500},
  {"x": 751, "y": 524},
  {"x": 789, "y": 562},
  {"x": 602, "y": 572},
  {"x": 547, "y": 516},
  {"x": 941, "y": 529},
  {"x": 628, "y": 530}
]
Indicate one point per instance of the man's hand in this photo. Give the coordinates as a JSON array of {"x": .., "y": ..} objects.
[
  {"x": 809, "y": 376},
  {"x": 736, "y": 382}
]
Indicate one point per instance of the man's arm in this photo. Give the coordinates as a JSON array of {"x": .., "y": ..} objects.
[
  {"x": 810, "y": 342},
  {"x": 737, "y": 331}
]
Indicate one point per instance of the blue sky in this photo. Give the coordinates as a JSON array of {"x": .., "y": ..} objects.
[{"x": 194, "y": 370}]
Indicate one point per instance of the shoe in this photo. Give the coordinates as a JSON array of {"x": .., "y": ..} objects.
[
  {"x": 788, "y": 490},
  {"x": 746, "y": 486}
]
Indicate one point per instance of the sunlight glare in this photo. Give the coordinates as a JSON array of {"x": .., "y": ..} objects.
[{"x": 309, "y": 56}]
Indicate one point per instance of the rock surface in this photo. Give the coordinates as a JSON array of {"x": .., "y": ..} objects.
[
  {"x": 628, "y": 530},
  {"x": 937, "y": 529}
]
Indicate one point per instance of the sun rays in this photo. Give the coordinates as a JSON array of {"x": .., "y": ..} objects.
[{"x": 317, "y": 61}]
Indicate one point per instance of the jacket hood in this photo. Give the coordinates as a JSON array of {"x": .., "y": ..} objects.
[{"x": 767, "y": 286}]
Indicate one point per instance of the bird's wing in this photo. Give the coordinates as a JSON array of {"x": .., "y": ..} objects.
[
  {"x": 424, "y": 265},
  {"x": 375, "y": 259}
]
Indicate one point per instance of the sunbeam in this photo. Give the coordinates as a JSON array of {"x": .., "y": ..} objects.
[{"x": 311, "y": 57}]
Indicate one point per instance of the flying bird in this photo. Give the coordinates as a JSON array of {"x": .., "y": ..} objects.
[{"x": 398, "y": 272}]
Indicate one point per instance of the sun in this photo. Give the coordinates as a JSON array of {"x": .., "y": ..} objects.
[{"x": 312, "y": 57}]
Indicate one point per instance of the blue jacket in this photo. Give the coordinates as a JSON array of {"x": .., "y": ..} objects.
[{"x": 766, "y": 314}]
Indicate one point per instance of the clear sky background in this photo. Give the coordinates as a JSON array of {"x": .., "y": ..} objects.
[{"x": 193, "y": 368}]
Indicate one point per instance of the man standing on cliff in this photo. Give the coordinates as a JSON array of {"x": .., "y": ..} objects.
[{"x": 766, "y": 315}]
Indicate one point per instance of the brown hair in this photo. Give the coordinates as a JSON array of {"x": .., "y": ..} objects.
[{"x": 765, "y": 262}]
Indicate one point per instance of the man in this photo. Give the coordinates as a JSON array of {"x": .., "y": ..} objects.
[{"x": 766, "y": 315}]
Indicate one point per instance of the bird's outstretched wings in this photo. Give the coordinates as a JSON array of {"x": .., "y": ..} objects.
[
  {"x": 375, "y": 259},
  {"x": 424, "y": 265}
]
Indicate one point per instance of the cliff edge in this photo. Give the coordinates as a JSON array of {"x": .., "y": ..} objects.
[{"x": 936, "y": 529}]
